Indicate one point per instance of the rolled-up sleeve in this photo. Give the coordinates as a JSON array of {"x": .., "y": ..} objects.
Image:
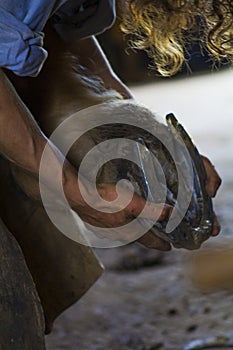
[{"x": 21, "y": 49}]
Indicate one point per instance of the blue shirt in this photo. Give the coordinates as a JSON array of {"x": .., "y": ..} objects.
[{"x": 22, "y": 22}]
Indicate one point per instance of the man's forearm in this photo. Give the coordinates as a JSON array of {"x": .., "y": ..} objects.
[{"x": 23, "y": 143}]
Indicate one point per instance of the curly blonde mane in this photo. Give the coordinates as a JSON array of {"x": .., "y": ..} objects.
[{"x": 163, "y": 27}]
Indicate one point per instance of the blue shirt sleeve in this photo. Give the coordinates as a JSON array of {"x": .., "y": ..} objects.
[
  {"x": 22, "y": 22},
  {"x": 21, "y": 39},
  {"x": 21, "y": 49}
]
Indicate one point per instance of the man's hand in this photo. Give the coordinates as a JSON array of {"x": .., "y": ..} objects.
[
  {"x": 99, "y": 215},
  {"x": 213, "y": 179},
  {"x": 125, "y": 206},
  {"x": 213, "y": 182}
]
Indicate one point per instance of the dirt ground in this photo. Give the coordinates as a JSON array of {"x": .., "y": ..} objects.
[{"x": 158, "y": 307}]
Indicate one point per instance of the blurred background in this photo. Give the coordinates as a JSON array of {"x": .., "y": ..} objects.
[{"x": 141, "y": 307}]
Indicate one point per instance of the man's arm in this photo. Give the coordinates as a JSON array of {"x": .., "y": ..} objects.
[{"x": 22, "y": 141}]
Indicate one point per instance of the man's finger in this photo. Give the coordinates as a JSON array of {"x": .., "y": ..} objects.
[
  {"x": 157, "y": 212},
  {"x": 213, "y": 179},
  {"x": 216, "y": 227},
  {"x": 150, "y": 240}
]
